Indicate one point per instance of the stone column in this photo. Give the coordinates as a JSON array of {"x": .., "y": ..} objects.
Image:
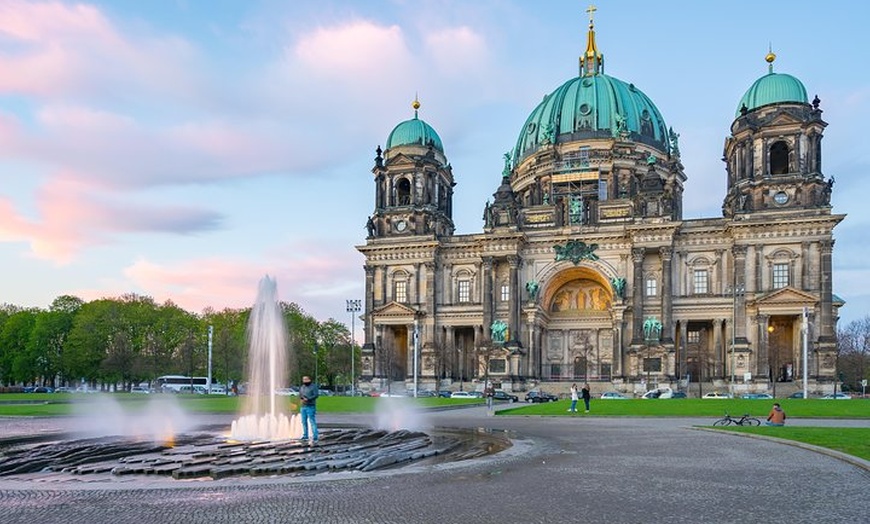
[
  {"x": 487, "y": 292},
  {"x": 637, "y": 256},
  {"x": 826, "y": 335},
  {"x": 514, "y": 299},
  {"x": 739, "y": 253},
  {"x": 684, "y": 356},
  {"x": 805, "y": 267},
  {"x": 667, "y": 296},
  {"x": 370, "y": 304},
  {"x": 763, "y": 365},
  {"x": 717, "y": 347},
  {"x": 449, "y": 286},
  {"x": 759, "y": 268},
  {"x": 431, "y": 311}
]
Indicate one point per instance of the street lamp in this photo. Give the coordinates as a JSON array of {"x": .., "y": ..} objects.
[
  {"x": 775, "y": 360},
  {"x": 353, "y": 307},
  {"x": 652, "y": 332}
]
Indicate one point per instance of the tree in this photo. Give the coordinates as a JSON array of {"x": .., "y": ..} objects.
[
  {"x": 16, "y": 363},
  {"x": 228, "y": 343},
  {"x": 854, "y": 352}
]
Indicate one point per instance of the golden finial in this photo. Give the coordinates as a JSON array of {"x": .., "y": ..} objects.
[
  {"x": 591, "y": 62},
  {"x": 769, "y": 58},
  {"x": 415, "y": 105}
]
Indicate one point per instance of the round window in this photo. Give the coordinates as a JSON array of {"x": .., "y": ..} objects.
[
  {"x": 531, "y": 128},
  {"x": 585, "y": 109},
  {"x": 780, "y": 197},
  {"x": 645, "y": 114}
]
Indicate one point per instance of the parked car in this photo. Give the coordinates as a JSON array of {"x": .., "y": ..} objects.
[
  {"x": 540, "y": 396},
  {"x": 461, "y": 394},
  {"x": 717, "y": 394},
  {"x": 43, "y": 389},
  {"x": 193, "y": 390},
  {"x": 445, "y": 393},
  {"x": 285, "y": 392},
  {"x": 798, "y": 394},
  {"x": 140, "y": 390},
  {"x": 679, "y": 394},
  {"x": 662, "y": 392},
  {"x": 613, "y": 395},
  {"x": 501, "y": 394},
  {"x": 837, "y": 396},
  {"x": 756, "y": 396}
]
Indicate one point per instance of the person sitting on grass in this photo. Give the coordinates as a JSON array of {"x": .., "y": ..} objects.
[{"x": 776, "y": 416}]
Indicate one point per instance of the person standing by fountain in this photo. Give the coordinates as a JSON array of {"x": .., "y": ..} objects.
[{"x": 308, "y": 394}]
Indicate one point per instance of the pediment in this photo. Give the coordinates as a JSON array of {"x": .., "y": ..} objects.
[
  {"x": 400, "y": 160},
  {"x": 787, "y": 296},
  {"x": 395, "y": 310}
]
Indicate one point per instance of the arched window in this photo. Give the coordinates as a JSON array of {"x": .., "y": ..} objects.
[
  {"x": 779, "y": 158},
  {"x": 404, "y": 192}
]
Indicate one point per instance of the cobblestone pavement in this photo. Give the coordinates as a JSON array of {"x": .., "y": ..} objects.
[{"x": 566, "y": 469}]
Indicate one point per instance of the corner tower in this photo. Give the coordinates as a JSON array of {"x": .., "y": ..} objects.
[
  {"x": 774, "y": 153},
  {"x": 413, "y": 184}
]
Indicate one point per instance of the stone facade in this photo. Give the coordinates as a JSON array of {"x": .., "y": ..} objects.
[{"x": 584, "y": 242}]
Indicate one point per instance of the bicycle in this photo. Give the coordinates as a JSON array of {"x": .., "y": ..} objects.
[{"x": 745, "y": 420}]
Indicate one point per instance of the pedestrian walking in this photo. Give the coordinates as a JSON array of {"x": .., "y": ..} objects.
[
  {"x": 574, "y": 397},
  {"x": 586, "y": 396},
  {"x": 489, "y": 393}
]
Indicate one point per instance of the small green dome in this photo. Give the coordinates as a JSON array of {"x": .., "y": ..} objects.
[
  {"x": 592, "y": 106},
  {"x": 773, "y": 88},
  {"x": 414, "y": 132}
]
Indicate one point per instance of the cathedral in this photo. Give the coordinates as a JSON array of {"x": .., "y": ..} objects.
[{"x": 586, "y": 271}]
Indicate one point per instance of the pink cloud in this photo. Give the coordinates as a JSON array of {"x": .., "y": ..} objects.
[
  {"x": 458, "y": 50},
  {"x": 69, "y": 51},
  {"x": 315, "y": 278},
  {"x": 354, "y": 50},
  {"x": 73, "y": 215}
]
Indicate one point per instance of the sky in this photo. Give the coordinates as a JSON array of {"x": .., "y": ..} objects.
[{"x": 182, "y": 149}]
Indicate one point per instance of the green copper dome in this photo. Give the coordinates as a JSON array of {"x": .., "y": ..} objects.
[
  {"x": 414, "y": 132},
  {"x": 592, "y": 106},
  {"x": 773, "y": 88}
]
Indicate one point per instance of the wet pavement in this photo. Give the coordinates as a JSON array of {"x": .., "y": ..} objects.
[{"x": 560, "y": 469}]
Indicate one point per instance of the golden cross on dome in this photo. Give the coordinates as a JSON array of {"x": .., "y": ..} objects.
[{"x": 591, "y": 10}]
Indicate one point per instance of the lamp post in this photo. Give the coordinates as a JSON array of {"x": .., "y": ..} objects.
[
  {"x": 775, "y": 360},
  {"x": 652, "y": 332},
  {"x": 353, "y": 307}
]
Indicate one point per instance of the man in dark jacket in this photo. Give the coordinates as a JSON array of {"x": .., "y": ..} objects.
[{"x": 308, "y": 394}]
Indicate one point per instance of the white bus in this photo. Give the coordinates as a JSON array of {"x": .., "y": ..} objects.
[{"x": 175, "y": 383}]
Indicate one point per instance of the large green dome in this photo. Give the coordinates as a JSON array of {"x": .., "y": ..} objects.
[
  {"x": 773, "y": 88},
  {"x": 592, "y": 106},
  {"x": 414, "y": 132}
]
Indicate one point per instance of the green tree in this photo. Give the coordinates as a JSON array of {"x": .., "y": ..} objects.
[
  {"x": 854, "y": 352},
  {"x": 228, "y": 344},
  {"x": 18, "y": 364}
]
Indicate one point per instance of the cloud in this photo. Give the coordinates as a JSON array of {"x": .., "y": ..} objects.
[
  {"x": 73, "y": 215},
  {"x": 318, "y": 277},
  {"x": 458, "y": 51}
]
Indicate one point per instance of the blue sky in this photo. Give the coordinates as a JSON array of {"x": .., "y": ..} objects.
[{"x": 183, "y": 149}]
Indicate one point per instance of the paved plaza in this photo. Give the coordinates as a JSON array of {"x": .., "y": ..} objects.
[{"x": 561, "y": 469}]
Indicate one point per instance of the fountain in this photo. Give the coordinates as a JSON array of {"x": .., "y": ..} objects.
[
  {"x": 264, "y": 418},
  {"x": 146, "y": 444}
]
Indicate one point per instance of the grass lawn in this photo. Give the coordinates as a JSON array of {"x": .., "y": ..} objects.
[
  {"x": 693, "y": 407},
  {"x": 853, "y": 441},
  {"x": 43, "y": 405}
]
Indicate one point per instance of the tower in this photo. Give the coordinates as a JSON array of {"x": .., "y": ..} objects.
[{"x": 413, "y": 184}]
